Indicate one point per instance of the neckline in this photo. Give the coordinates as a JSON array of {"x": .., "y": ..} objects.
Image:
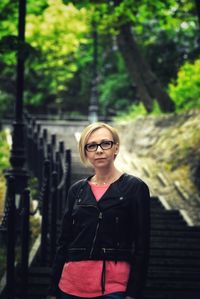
[
  {"x": 119, "y": 178},
  {"x": 97, "y": 185}
]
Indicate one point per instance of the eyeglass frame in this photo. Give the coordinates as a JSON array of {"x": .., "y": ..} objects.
[{"x": 99, "y": 144}]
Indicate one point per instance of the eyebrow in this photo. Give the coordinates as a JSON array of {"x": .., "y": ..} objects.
[{"x": 102, "y": 140}]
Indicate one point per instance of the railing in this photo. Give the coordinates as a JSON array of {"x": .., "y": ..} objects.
[
  {"x": 15, "y": 227},
  {"x": 50, "y": 163}
]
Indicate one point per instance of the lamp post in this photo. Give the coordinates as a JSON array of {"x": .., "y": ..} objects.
[
  {"x": 17, "y": 157},
  {"x": 93, "y": 107}
]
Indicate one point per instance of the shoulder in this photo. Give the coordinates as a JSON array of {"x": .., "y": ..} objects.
[
  {"x": 75, "y": 187},
  {"x": 132, "y": 183},
  {"x": 131, "y": 179}
]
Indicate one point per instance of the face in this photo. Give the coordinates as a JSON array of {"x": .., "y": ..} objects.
[{"x": 102, "y": 157}]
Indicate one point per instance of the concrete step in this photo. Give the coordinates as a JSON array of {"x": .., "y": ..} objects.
[{"x": 175, "y": 253}]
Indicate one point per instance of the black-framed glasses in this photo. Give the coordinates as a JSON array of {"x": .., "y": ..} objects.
[{"x": 105, "y": 145}]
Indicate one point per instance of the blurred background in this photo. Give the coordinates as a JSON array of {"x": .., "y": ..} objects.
[
  {"x": 133, "y": 63},
  {"x": 148, "y": 56}
]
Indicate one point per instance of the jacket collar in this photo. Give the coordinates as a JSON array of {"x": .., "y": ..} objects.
[{"x": 113, "y": 195}]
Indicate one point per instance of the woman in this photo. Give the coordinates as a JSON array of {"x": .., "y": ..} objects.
[{"x": 104, "y": 243}]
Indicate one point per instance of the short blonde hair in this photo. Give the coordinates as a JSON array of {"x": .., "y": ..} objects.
[{"x": 87, "y": 131}]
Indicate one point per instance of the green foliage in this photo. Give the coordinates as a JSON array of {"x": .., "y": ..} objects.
[
  {"x": 4, "y": 151},
  {"x": 133, "y": 112},
  {"x": 56, "y": 34},
  {"x": 33, "y": 184},
  {"x": 59, "y": 49},
  {"x": 136, "y": 110},
  {"x": 185, "y": 90},
  {"x": 115, "y": 93},
  {"x": 4, "y": 163}
]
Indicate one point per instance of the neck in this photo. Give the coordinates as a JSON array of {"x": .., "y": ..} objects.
[{"x": 108, "y": 177}]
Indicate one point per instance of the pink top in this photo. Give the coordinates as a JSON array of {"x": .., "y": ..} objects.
[{"x": 83, "y": 278}]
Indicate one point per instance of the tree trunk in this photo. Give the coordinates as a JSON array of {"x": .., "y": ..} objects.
[
  {"x": 148, "y": 85},
  {"x": 198, "y": 10}
]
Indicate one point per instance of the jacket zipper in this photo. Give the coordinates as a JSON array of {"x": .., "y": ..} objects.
[
  {"x": 97, "y": 227},
  {"x": 95, "y": 236}
]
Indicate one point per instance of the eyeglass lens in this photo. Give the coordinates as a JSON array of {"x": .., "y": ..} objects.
[{"x": 91, "y": 147}]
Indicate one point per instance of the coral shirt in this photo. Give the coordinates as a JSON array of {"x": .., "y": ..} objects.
[{"x": 83, "y": 278}]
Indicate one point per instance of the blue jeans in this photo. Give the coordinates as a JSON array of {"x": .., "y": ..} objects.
[{"x": 116, "y": 295}]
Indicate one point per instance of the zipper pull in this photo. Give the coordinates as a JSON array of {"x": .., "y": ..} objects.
[{"x": 100, "y": 215}]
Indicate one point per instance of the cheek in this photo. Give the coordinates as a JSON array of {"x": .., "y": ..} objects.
[{"x": 89, "y": 156}]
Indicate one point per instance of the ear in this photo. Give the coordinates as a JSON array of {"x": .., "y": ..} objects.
[{"x": 116, "y": 149}]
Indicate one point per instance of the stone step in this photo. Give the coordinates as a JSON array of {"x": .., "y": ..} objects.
[
  {"x": 173, "y": 222},
  {"x": 178, "y": 228},
  {"x": 179, "y": 254},
  {"x": 171, "y": 239},
  {"x": 173, "y": 284},
  {"x": 173, "y": 269},
  {"x": 187, "y": 234},
  {"x": 162, "y": 213},
  {"x": 176, "y": 246},
  {"x": 175, "y": 274},
  {"x": 174, "y": 262},
  {"x": 167, "y": 294}
]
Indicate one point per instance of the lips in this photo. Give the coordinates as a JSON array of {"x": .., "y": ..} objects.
[{"x": 99, "y": 159}]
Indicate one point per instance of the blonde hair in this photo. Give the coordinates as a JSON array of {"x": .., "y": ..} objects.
[{"x": 86, "y": 134}]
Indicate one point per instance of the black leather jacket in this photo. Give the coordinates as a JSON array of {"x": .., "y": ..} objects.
[{"x": 117, "y": 228}]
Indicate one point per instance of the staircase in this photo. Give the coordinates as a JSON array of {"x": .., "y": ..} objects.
[{"x": 174, "y": 271}]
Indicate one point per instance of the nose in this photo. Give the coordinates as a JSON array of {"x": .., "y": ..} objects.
[{"x": 99, "y": 149}]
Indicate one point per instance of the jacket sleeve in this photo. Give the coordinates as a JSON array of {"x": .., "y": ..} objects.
[
  {"x": 63, "y": 241},
  {"x": 141, "y": 222}
]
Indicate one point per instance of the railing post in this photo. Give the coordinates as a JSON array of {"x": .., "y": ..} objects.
[
  {"x": 53, "y": 151},
  {"x": 41, "y": 158},
  {"x": 25, "y": 199},
  {"x": 45, "y": 141},
  {"x": 29, "y": 144},
  {"x": 53, "y": 217},
  {"x": 68, "y": 176},
  {"x": 49, "y": 156},
  {"x": 38, "y": 166},
  {"x": 45, "y": 212},
  {"x": 11, "y": 226},
  {"x": 34, "y": 156},
  {"x": 61, "y": 173},
  {"x": 59, "y": 176}
]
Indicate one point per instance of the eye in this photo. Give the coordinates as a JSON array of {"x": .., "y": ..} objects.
[
  {"x": 106, "y": 144},
  {"x": 91, "y": 146}
]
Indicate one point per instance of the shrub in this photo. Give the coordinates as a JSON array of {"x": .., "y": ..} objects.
[
  {"x": 185, "y": 91},
  {"x": 4, "y": 163}
]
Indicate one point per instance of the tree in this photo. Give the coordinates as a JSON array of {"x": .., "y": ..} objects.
[
  {"x": 54, "y": 33},
  {"x": 161, "y": 34},
  {"x": 148, "y": 85},
  {"x": 138, "y": 25}
]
